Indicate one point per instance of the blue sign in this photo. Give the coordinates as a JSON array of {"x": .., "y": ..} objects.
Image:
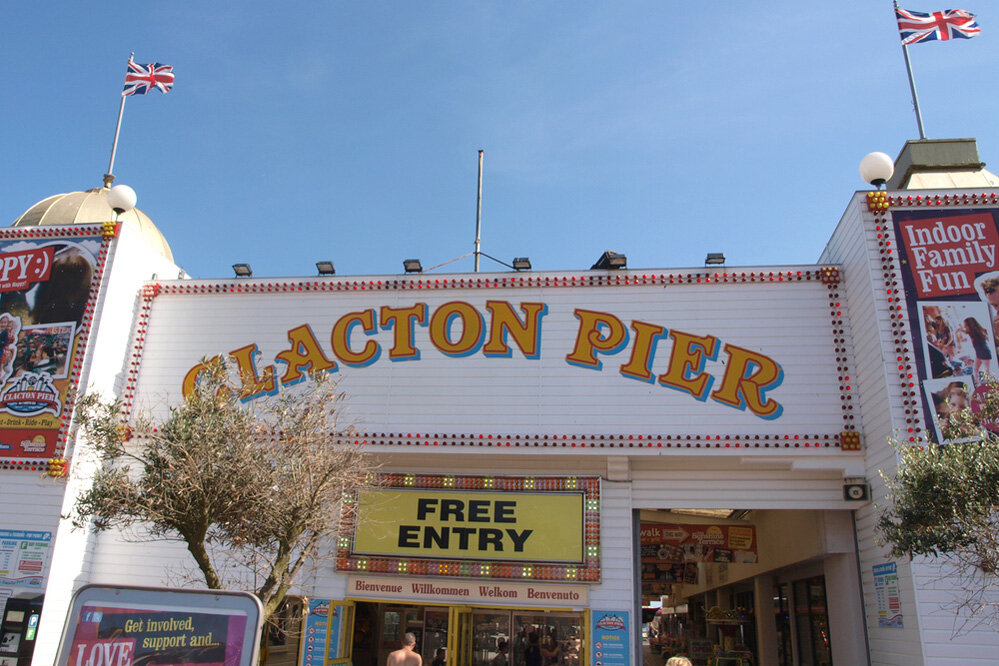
[
  {"x": 321, "y": 640},
  {"x": 610, "y": 638},
  {"x": 316, "y": 633}
]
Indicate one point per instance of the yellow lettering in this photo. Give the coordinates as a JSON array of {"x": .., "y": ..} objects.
[
  {"x": 686, "y": 363},
  {"x": 748, "y": 376},
  {"x": 471, "y": 328},
  {"x": 400, "y": 321},
  {"x": 253, "y": 385},
  {"x": 304, "y": 353},
  {"x": 639, "y": 366},
  {"x": 598, "y": 332},
  {"x": 340, "y": 338},
  {"x": 526, "y": 333},
  {"x": 190, "y": 382}
]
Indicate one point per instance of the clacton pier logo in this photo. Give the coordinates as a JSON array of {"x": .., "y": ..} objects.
[
  {"x": 611, "y": 622},
  {"x": 30, "y": 395}
]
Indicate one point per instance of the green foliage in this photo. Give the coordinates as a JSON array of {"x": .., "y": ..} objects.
[
  {"x": 944, "y": 500},
  {"x": 259, "y": 484}
]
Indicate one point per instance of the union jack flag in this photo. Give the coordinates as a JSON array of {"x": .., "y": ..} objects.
[
  {"x": 917, "y": 27},
  {"x": 140, "y": 79}
]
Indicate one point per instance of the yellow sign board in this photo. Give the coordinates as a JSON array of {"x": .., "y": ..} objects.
[{"x": 527, "y": 526}]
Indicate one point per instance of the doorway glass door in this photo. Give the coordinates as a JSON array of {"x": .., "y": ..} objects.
[{"x": 490, "y": 638}]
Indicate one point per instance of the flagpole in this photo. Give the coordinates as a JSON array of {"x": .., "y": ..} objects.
[
  {"x": 915, "y": 98},
  {"x": 912, "y": 84},
  {"x": 109, "y": 176},
  {"x": 478, "y": 218}
]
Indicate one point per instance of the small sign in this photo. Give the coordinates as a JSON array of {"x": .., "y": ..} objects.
[
  {"x": 610, "y": 637},
  {"x": 23, "y": 556},
  {"x": 321, "y": 640},
  {"x": 886, "y": 589}
]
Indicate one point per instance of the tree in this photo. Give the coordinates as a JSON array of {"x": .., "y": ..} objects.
[
  {"x": 258, "y": 485},
  {"x": 943, "y": 502}
]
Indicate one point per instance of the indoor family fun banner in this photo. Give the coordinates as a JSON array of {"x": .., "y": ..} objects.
[{"x": 951, "y": 280}]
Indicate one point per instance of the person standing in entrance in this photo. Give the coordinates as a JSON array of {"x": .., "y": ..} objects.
[{"x": 405, "y": 656}]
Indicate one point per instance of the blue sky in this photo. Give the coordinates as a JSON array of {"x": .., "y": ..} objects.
[{"x": 300, "y": 131}]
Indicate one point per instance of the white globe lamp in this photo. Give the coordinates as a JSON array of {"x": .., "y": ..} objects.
[
  {"x": 121, "y": 198},
  {"x": 876, "y": 169}
]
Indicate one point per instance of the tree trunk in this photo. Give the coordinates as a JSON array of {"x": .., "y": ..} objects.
[{"x": 200, "y": 554}]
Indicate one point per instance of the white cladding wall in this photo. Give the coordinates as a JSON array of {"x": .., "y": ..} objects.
[
  {"x": 475, "y": 394},
  {"x": 130, "y": 262},
  {"x": 854, "y": 244},
  {"x": 864, "y": 247}
]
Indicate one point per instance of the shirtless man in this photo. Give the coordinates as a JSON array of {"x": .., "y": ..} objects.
[{"x": 405, "y": 656}]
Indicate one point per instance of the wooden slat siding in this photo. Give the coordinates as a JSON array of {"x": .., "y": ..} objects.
[
  {"x": 41, "y": 513},
  {"x": 444, "y": 461},
  {"x": 616, "y": 588},
  {"x": 726, "y": 487},
  {"x": 854, "y": 245}
]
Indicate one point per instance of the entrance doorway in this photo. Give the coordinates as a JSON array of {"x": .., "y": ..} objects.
[
  {"x": 740, "y": 587},
  {"x": 469, "y": 636}
]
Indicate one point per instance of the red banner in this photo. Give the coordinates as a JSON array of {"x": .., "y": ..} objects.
[
  {"x": 945, "y": 254},
  {"x": 20, "y": 270}
]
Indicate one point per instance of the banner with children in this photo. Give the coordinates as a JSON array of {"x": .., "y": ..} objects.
[
  {"x": 47, "y": 285},
  {"x": 950, "y": 276}
]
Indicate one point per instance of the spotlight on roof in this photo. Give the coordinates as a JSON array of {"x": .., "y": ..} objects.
[
  {"x": 325, "y": 268},
  {"x": 412, "y": 266},
  {"x": 610, "y": 259},
  {"x": 521, "y": 264},
  {"x": 715, "y": 259},
  {"x": 876, "y": 169},
  {"x": 242, "y": 270}
]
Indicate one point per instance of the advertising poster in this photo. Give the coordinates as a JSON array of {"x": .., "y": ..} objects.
[
  {"x": 126, "y": 636},
  {"x": 611, "y": 634},
  {"x": 322, "y": 633},
  {"x": 886, "y": 589},
  {"x": 662, "y": 543},
  {"x": 23, "y": 556},
  {"x": 950, "y": 274},
  {"x": 45, "y": 287}
]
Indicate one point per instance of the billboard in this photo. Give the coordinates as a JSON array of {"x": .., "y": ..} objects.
[
  {"x": 132, "y": 625},
  {"x": 950, "y": 276},
  {"x": 48, "y": 285}
]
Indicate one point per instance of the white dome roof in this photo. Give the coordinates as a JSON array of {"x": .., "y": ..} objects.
[{"x": 91, "y": 207}]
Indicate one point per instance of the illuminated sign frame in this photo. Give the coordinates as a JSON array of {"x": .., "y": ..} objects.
[
  {"x": 39, "y": 406},
  {"x": 588, "y": 570},
  {"x": 305, "y": 346}
]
